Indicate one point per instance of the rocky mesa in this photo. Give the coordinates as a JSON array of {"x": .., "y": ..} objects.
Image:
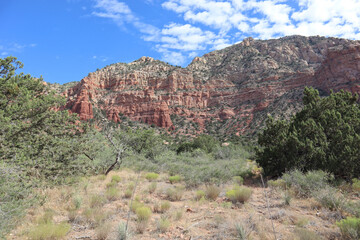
[{"x": 235, "y": 87}]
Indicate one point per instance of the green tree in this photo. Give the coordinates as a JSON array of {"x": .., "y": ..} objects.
[
  {"x": 35, "y": 134},
  {"x": 324, "y": 135}
]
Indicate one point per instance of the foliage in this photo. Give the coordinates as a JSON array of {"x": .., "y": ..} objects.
[
  {"x": 151, "y": 176},
  {"x": 174, "y": 179},
  {"x": 115, "y": 178},
  {"x": 163, "y": 224},
  {"x": 35, "y": 135},
  {"x": 212, "y": 192},
  {"x": 199, "y": 195},
  {"x": 204, "y": 142},
  {"x": 350, "y": 228},
  {"x": 238, "y": 180},
  {"x": 152, "y": 187},
  {"x": 38, "y": 141},
  {"x": 49, "y": 231},
  {"x": 174, "y": 193},
  {"x": 239, "y": 194},
  {"x": 306, "y": 184},
  {"x": 356, "y": 185},
  {"x": 324, "y": 135},
  {"x": 143, "y": 213}
]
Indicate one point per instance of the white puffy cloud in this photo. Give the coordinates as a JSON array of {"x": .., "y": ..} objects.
[{"x": 215, "y": 24}]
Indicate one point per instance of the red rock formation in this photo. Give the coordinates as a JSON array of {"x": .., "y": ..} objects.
[{"x": 238, "y": 85}]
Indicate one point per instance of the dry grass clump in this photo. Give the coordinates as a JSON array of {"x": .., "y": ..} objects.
[
  {"x": 112, "y": 194},
  {"x": 97, "y": 201},
  {"x": 102, "y": 232},
  {"x": 115, "y": 178},
  {"x": 304, "y": 234},
  {"x": 152, "y": 176},
  {"x": 49, "y": 231},
  {"x": 163, "y": 224},
  {"x": 212, "y": 192},
  {"x": 143, "y": 215},
  {"x": 200, "y": 194},
  {"x": 111, "y": 184},
  {"x": 152, "y": 187},
  {"x": 174, "y": 179},
  {"x": 162, "y": 207},
  {"x": 239, "y": 194},
  {"x": 95, "y": 216},
  {"x": 175, "y": 194}
]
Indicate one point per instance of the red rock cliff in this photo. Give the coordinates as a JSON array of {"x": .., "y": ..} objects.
[{"x": 236, "y": 86}]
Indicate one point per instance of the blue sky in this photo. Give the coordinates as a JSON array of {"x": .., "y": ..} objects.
[{"x": 64, "y": 40}]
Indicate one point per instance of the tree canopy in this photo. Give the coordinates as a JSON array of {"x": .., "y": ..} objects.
[
  {"x": 324, "y": 135},
  {"x": 35, "y": 134}
]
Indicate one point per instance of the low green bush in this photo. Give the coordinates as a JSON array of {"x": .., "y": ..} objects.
[
  {"x": 350, "y": 228},
  {"x": 238, "y": 180},
  {"x": 111, "y": 184},
  {"x": 49, "y": 231},
  {"x": 278, "y": 183},
  {"x": 163, "y": 224},
  {"x": 116, "y": 178},
  {"x": 97, "y": 201},
  {"x": 151, "y": 176},
  {"x": 112, "y": 194},
  {"x": 143, "y": 213},
  {"x": 239, "y": 194},
  {"x": 356, "y": 185},
  {"x": 152, "y": 187},
  {"x": 305, "y": 184},
  {"x": 199, "y": 195},
  {"x": 174, "y": 179}
]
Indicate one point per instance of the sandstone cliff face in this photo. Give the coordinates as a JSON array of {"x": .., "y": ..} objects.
[{"x": 236, "y": 86}]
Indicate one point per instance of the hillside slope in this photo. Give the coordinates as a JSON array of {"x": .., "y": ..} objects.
[{"x": 236, "y": 86}]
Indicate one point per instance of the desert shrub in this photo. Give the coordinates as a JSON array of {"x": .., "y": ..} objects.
[
  {"x": 163, "y": 224},
  {"x": 305, "y": 184},
  {"x": 323, "y": 135},
  {"x": 122, "y": 232},
  {"x": 143, "y": 213},
  {"x": 111, "y": 184},
  {"x": 112, "y": 194},
  {"x": 178, "y": 215},
  {"x": 356, "y": 185},
  {"x": 278, "y": 183},
  {"x": 212, "y": 192},
  {"x": 77, "y": 200},
  {"x": 286, "y": 198},
  {"x": 102, "y": 231},
  {"x": 350, "y": 228},
  {"x": 199, "y": 195},
  {"x": 151, "y": 176},
  {"x": 135, "y": 205},
  {"x": 175, "y": 193},
  {"x": 238, "y": 180},
  {"x": 330, "y": 197},
  {"x": 47, "y": 217},
  {"x": 242, "y": 232},
  {"x": 152, "y": 187},
  {"x": 304, "y": 234},
  {"x": 164, "y": 206},
  {"x": 239, "y": 194},
  {"x": 174, "y": 179},
  {"x": 116, "y": 178},
  {"x": 128, "y": 193},
  {"x": 131, "y": 186},
  {"x": 97, "y": 201},
  {"x": 49, "y": 231}
]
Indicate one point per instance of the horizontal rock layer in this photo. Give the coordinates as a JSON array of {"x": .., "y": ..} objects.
[{"x": 238, "y": 85}]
